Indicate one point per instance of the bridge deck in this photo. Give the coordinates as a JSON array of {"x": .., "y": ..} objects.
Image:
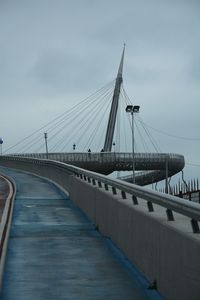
[{"x": 54, "y": 252}]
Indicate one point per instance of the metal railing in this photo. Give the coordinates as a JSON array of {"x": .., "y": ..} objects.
[
  {"x": 105, "y": 156},
  {"x": 5, "y": 222},
  {"x": 169, "y": 202},
  {"x": 163, "y": 165},
  {"x": 116, "y": 160}
]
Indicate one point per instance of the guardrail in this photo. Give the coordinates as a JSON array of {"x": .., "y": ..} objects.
[
  {"x": 5, "y": 222},
  {"x": 169, "y": 202},
  {"x": 107, "y": 162},
  {"x": 113, "y": 157}
]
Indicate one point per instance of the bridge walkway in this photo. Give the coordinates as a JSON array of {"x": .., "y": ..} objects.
[{"x": 54, "y": 252}]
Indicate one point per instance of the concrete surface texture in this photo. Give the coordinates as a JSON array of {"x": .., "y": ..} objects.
[
  {"x": 161, "y": 250},
  {"x": 54, "y": 252}
]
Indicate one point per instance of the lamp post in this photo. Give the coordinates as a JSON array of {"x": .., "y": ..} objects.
[
  {"x": 1, "y": 145},
  {"x": 133, "y": 109},
  {"x": 45, "y": 137}
]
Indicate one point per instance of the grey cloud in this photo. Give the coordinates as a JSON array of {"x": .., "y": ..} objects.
[
  {"x": 194, "y": 68},
  {"x": 56, "y": 72},
  {"x": 54, "y": 51}
]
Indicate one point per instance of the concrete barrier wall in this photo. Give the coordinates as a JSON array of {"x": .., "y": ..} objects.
[
  {"x": 162, "y": 252},
  {"x": 167, "y": 252}
]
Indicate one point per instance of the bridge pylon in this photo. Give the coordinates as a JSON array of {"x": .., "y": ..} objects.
[{"x": 114, "y": 107}]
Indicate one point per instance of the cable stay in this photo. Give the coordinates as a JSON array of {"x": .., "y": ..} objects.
[
  {"x": 71, "y": 114},
  {"x": 83, "y": 127},
  {"x": 171, "y": 135}
]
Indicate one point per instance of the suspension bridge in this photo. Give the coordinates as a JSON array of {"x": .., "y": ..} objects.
[
  {"x": 69, "y": 231},
  {"x": 159, "y": 166}
]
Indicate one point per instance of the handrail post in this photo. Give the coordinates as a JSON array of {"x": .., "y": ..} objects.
[{"x": 195, "y": 226}]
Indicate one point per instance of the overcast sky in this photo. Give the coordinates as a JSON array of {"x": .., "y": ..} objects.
[{"x": 56, "y": 52}]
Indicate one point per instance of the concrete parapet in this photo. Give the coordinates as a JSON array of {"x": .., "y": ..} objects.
[
  {"x": 165, "y": 251},
  {"x": 160, "y": 250}
]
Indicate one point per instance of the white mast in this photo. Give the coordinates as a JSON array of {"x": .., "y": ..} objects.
[{"x": 114, "y": 107}]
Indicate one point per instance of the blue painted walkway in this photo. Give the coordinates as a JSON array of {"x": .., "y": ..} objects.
[{"x": 55, "y": 253}]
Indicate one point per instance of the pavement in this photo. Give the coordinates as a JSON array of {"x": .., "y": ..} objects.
[{"x": 56, "y": 253}]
